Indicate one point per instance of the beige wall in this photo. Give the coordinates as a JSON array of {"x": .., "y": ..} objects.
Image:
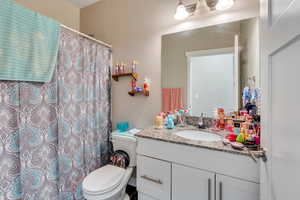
[
  {"x": 134, "y": 28},
  {"x": 60, "y": 10},
  {"x": 175, "y": 46}
]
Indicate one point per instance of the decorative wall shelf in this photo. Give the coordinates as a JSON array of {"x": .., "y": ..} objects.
[
  {"x": 133, "y": 93},
  {"x": 133, "y": 75}
]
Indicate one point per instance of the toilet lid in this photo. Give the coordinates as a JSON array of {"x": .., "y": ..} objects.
[{"x": 103, "y": 180}]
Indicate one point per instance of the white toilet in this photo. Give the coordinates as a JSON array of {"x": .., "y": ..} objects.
[{"x": 109, "y": 182}]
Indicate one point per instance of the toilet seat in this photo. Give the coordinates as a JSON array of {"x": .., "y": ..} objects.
[{"x": 103, "y": 180}]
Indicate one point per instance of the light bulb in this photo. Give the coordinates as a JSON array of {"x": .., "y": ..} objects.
[
  {"x": 181, "y": 12},
  {"x": 224, "y": 4}
]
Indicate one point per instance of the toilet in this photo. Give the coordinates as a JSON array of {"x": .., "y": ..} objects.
[{"x": 109, "y": 182}]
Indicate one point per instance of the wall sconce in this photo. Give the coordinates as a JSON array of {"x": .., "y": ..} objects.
[{"x": 201, "y": 6}]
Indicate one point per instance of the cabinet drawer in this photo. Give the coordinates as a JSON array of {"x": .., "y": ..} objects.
[
  {"x": 154, "y": 177},
  {"x": 145, "y": 197}
]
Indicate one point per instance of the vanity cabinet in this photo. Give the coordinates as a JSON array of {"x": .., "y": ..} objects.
[
  {"x": 169, "y": 171},
  {"x": 192, "y": 183},
  {"x": 161, "y": 180}
]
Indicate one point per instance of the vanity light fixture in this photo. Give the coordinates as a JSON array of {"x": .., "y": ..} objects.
[
  {"x": 224, "y": 4},
  {"x": 181, "y": 11},
  {"x": 200, "y": 7}
]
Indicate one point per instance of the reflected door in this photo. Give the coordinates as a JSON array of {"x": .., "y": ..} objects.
[{"x": 211, "y": 83}]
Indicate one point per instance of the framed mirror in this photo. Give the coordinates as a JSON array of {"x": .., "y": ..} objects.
[{"x": 208, "y": 68}]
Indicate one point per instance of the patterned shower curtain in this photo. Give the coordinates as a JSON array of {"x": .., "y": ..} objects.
[{"x": 52, "y": 135}]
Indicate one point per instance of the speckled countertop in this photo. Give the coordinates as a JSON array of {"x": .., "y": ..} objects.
[{"x": 167, "y": 135}]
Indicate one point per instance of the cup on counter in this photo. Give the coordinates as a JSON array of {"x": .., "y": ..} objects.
[{"x": 123, "y": 126}]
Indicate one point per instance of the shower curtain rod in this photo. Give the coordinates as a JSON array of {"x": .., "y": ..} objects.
[{"x": 86, "y": 36}]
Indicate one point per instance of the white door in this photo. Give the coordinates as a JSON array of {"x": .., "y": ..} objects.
[
  {"x": 192, "y": 184},
  {"x": 280, "y": 39},
  {"x": 228, "y": 188}
]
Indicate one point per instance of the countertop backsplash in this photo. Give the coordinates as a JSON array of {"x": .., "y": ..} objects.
[{"x": 194, "y": 120}]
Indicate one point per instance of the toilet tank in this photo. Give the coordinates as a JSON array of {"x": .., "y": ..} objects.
[{"x": 126, "y": 144}]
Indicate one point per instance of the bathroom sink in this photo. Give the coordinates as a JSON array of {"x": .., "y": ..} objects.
[{"x": 198, "y": 136}]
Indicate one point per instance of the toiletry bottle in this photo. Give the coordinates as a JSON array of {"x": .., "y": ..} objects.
[
  {"x": 117, "y": 69},
  {"x": 122, "y": 68},
  {"x": 181, "y": 118},
  {"x": 133, "y": 85},
  {"x": 159, "y": 122},
  {"x": 134, "y": 64},
  {"x": 221, "y": 118},
  {"x": 170, "y": 123},
  {"x": 147, "y": 84}
]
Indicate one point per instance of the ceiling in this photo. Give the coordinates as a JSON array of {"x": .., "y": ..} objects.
[{"x": 82, "y": 3}]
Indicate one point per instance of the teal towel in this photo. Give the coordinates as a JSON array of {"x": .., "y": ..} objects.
[{"x": 28, "y": 44}]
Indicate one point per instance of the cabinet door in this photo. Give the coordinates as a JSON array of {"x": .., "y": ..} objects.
[
  {"x": 228, "y": 188},
  {"x": 192, "y": 184}
]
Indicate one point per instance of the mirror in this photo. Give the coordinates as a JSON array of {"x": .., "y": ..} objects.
[{"x": 208, "y": 68}]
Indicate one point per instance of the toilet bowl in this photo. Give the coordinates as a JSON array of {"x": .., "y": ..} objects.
[{"x": 109, "y": 182}]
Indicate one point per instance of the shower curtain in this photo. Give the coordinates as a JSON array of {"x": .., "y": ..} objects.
[{"x": 52, "y": 135}]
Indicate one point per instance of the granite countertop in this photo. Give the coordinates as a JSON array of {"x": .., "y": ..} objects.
[{"x": 167, "y": 135}]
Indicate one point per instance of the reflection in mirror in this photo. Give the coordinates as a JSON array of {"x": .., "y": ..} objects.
[
  {"x": 211, "y": 74},
  {"x": 208, "y": 68}
]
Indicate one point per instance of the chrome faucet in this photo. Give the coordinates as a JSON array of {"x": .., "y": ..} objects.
[{"x": 201, "y": 123}]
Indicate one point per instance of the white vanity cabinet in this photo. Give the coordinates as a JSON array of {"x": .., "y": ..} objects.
[{"x": 169, "y": 171}]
